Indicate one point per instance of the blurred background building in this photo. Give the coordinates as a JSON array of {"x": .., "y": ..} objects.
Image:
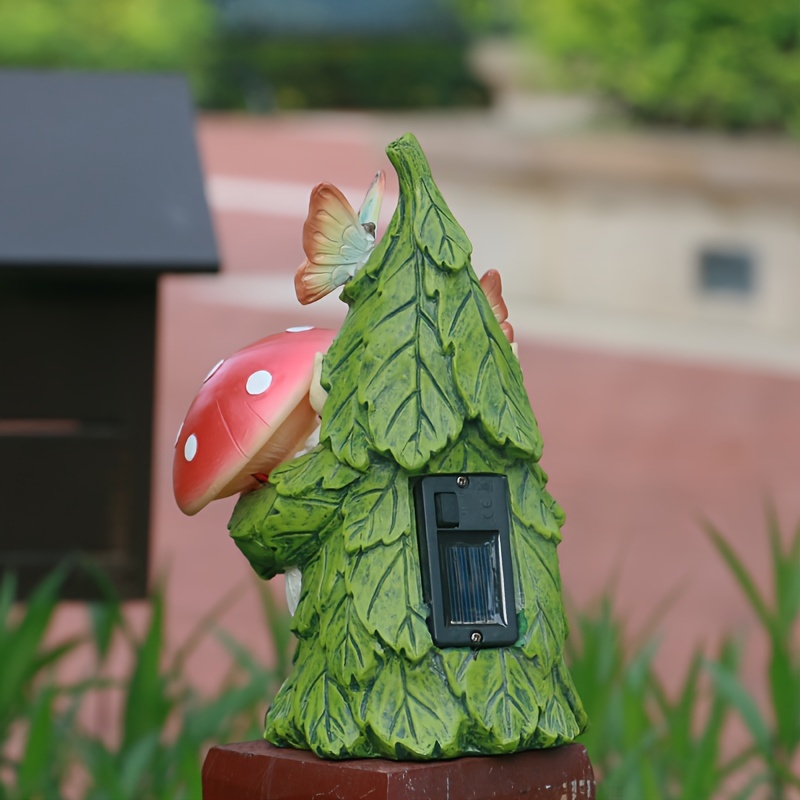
[{"x": 637, "y": 158}]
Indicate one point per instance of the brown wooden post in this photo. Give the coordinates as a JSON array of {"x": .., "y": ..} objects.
[{"x": 260, "y": 771}]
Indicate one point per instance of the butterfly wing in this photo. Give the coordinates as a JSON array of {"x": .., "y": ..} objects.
[
  {"x": 336, "y": 240},
  {"x": 493, "y": 289},
  {"x": 371, "y": 207}
]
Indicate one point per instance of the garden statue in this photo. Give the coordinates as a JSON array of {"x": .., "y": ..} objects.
[{"x": 430, "y": 620}]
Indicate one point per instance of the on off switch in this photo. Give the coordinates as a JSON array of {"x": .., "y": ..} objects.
[{"x": 446, "y": 509}]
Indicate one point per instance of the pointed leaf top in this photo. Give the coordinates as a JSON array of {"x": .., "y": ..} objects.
[
  {"x": 421, "y": 350},
  {"x": 435, "y": 228}
]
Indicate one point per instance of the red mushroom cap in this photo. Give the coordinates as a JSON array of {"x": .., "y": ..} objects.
[{"x": 251, "y": 413}]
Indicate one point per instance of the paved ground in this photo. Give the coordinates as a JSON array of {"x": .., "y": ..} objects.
[{"x": 639, "y": 448}]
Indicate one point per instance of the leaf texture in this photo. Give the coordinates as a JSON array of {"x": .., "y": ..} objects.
[
  {"x": 411, "y": 713},
  {"x": 385, "y": 584},
  {"x": 391, "y": 387},
  {"x": 469, "y": 453},
  {"x": 318, "y": 469},
  {"x": 377, "y": 510},
  {"x": 543, "y": 626},
  {"x": 563, "y": 716},
  {"x": 344, "y": 419},
  {"x": 486, "y": 371},
  {"x": 305, "y": 622},
  {"x": 320, "y": 578},
  {"x": 405, "y": 378},
  {"x": 321, "y": 708},
  {"x": 280, "y": 727},
  {"x": 277, "y": 532},
  {"x": 352, "y": 653},
  {"x": 531, "y": 501},
  {"x": 503, "y": 691},
  {"x": 436, "y": 231}
]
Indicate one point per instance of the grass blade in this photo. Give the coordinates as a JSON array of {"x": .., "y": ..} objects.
[
  {"x": 741, "y": 575},
  {"x": 784, "y": 684},
  {"x": 147, "y": 706},
  {"x": 23, "y": 643},
  {"x": 35, "y": 764},
  {"x": 206, "y": 625},
  {"x": 730, "y": 688}
]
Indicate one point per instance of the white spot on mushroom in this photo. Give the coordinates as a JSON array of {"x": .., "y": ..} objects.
[
  {"x": 214, "y": 369},
  {"x": 300, "y": 329},
  {"x": 259, "y": 382},
  {"x": 190, "y": 448},
  {"x": 178, "y": 435}
]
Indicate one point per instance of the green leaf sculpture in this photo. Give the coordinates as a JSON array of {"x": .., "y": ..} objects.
[{"x": 421, "y": 380}]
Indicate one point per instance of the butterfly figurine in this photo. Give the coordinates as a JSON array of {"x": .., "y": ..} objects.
[{"x": 336, "y": 240}]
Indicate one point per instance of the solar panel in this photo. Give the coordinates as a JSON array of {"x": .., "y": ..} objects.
[{"x": 465, "y": 559}]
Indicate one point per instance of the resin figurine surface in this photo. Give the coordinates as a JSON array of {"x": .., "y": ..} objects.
[{"x": 430, "y": 621}]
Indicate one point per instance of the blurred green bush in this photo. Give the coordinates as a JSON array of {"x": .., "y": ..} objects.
[
  {"x": 164, "y": 725},
  {"x": 650, "y": 744},
  {"x": 232, "y": 67},
  {"x": 107, "y": 34},
  {"x": 731, "y": 64},
  {"x": 260, "y": 74},
  {"x": 645, "y": 743}
]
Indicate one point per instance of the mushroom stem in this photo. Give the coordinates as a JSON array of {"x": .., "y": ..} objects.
[{"x": 317, "y": 395}]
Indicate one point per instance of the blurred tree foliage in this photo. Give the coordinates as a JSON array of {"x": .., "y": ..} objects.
[
  {"x": 107, "y": 34},
  {"x": 731, "y": 64},
  {"x": 254, "y": 67},
  {"x": 260, "y": 73},
  {"x": 488, "y": 17}
]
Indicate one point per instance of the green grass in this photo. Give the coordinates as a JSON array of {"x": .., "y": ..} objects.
[
  {"x": 165, "y": 724},
  {"x": 775, "y": 734},
  {"x": 647, "y": 743},
  {"x": 644, "y": 741}
]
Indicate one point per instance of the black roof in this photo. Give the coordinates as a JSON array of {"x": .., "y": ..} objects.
[{"x": 100, "y": 171}]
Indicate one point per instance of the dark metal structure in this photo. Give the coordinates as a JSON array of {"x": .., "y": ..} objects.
[{"x": 100, "y": 192}]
